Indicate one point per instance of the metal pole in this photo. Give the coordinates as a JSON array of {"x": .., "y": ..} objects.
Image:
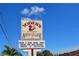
[{"x": 32, "y": 52}]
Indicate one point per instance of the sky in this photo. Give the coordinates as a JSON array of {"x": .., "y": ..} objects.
[{"x": 60, "y": 26}]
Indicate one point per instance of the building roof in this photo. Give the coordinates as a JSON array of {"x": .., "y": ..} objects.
[{"x": 72, "y": 53}]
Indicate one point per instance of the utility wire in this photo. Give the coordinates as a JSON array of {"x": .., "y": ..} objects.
[{"x": 4, "y": 33}]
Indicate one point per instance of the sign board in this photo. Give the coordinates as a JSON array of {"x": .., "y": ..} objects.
[
  {"x": 31, "y": 29},
  {"x": 31, "y": 44},
  {"x": 31, "y": 36}
]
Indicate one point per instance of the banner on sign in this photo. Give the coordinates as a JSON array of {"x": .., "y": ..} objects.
[
  {"x": 31, "y": 29},
  {"x": 31, "y": 44}
]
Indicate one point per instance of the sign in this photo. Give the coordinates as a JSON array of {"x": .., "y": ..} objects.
[
  {"x": 31, "y": 44},
  {"x": 31, "y": 36},
  {"x": 31, "y": 29}
]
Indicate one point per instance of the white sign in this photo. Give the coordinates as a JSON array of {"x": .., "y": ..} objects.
[
  {"x": 31, "y": 44},
  {"x": 31, "y": 35},
  {"x": 31, "y": 29}
]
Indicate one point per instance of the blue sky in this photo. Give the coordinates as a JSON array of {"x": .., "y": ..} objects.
[{"x": 60, "y": 25}]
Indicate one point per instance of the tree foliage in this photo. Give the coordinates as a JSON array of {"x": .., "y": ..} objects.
[
  {"x": 10, "y": 51},
  {"x": 44, "y": 53}
]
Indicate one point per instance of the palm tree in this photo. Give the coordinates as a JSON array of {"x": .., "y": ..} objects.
[
  {"x": 10, "y": 51},
  {"x": 44, "y": 53}
]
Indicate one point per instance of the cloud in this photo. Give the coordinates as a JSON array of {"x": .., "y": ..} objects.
[
  {"x": 25, "y": 11},
  {"x": 35, "y": 10}
]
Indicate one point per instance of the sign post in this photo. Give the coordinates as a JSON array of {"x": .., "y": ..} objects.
[
  {"x": 31, "y": 36},
  {"x": 32, "y": 52}
]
